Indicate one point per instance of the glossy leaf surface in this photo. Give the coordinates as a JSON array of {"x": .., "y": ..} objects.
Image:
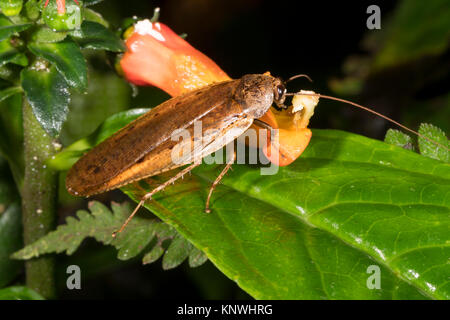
[
  {"x": 93, "y": 35},
  {"x": 313, "y": 229},
  {"x": 48, "y": 94},
  {"x": 67, "y": 58}
]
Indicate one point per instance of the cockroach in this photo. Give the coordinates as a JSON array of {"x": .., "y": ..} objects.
[{"x": 143, "y": 148}]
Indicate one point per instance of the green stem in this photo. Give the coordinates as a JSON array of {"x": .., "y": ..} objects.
[{"x": 39, "y": 195}]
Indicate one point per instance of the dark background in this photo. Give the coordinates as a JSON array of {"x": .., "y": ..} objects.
[{"x": 255, "y": 36}]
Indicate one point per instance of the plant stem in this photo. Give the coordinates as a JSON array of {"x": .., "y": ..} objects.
[{"x": 39, "y": 195}]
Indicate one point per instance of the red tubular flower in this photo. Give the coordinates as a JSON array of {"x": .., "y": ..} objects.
[{"x": 157, "y": 56}]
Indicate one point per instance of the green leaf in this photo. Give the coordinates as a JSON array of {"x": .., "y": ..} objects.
[
  {"x": 102, "y": 223},
  {"x": 177, "y": 252},
  {"x": 197, "y": 258},
  {"x": 47, "y": 35},
  {"x": 11, "y": 135},
  {"x": 11, "y": 7},
  {"x": 19, "y": 293},
  {"x": 312, "y": 230},
  {"x": 68, "y": 59},
  {"x": 8, "y": 30},
  {"x": 399, "y": 139},
  {"x": 4, "y": 20},
  {"x": 88, "y": 3},
  {"x": 91, "y": 15},
  {"x": 9, "y": 54},
  {"x": 430, "y": 149},
  {"x": 32, "y": 9},
  {"x": 7, "y": 189},
  {"x": 66, "y": 158},
  {"x": 8, "y": 92},
  {"x": 10, "y": 241},
  {"x": 9, "y": 73},
  {"x": 93, "y": 35},
  {"x": 49, "y": 97}
]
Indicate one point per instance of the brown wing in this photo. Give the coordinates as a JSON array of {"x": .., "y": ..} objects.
[{"x": 143, "y": 147}]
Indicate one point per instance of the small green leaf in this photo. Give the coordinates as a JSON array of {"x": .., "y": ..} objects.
[
  {"x": 101, "y": 224},
  {"x": 68, "y": 59},
  {"x": 11, "y": 135},
  {"x": 8, "y": 92},
  {"x": 430, "y": 149},
  {"x": 8, "y": 73},
  {"x": 10, "y": 241},
  {"x": 4, "y": 20},
  {"x": 19, "y": 293},
  {"x": 154, "y": 254},
  {"x": 66, "y": 158},
  {"x": 70, "y": 20},
  {"x": 9, "y": 54},
  {"x": 399, "y": 139},
  {"x": 49, "y": 97},
  {"x": 32, "y": 9},
  {"x": 91, "y": 15},
  {"x": 347, "y": 86},
  {"x": 88, "y": 3},
  {"x": 7, "y": 188},
  {"x": 11, "y": 7},
  {"x": 47, "y": 35},
  {"x": 8, "y": 30},
  {"x": 197, "y": 258},
  {"x": 93, "y": 35},
  {"x": 165, "y": 232},
  {"x": 133, "y": 243},
  {"x": 177, "y": 252}
]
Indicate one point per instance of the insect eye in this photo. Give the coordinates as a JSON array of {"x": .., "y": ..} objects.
[{"x": 280, "y": 91}]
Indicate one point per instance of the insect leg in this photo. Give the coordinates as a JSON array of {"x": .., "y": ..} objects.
[
  {"x": 151, "y": 193},
  {"x": 216, "y": 182}
]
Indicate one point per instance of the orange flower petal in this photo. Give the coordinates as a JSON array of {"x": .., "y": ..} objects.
[{"x": 290, "y": 146}]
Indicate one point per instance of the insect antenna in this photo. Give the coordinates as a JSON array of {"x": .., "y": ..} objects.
[
  {"x": 371, "y": 111},
  {"x": 299, "y": 76}
]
